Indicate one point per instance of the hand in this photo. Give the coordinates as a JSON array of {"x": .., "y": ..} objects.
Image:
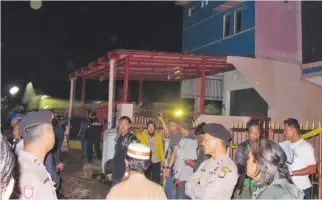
[
  {"x": 60, "y": 166},
  {"x": 166, "y": 173},
  {"x": 109, "y": 177},
  {"x": 159, "y": 115},
  {"x": 177, "y": 182},
  {"x": 190, "y": 163},
  {"x": 162, "y": 166}
]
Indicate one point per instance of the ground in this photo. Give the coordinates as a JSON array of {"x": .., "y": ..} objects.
[{"x": 75, "y": 185}]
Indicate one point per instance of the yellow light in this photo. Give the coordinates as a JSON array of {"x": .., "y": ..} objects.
[{"x": 178, "y": 113}]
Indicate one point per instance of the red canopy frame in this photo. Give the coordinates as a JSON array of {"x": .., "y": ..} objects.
[{"x": 152, "y": 66}]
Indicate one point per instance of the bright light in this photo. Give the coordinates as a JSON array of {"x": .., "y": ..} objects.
[
  {"x": 178, "y": 113},
  {"x": 43, "y": 96},
  {"x": 35, "y": 4},
  {"x": 46, "y": 107},
  {"x": 14, "y": 90}
]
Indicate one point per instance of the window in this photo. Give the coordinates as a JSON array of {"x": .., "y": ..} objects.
[
  {"x": 191, "y": 11},
  {"x": 204, "y": 3},
  {"x": 226, "y": 25},
  {"x": 238, "y": 20}
]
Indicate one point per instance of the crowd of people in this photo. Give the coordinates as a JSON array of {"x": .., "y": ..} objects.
[
  {"x": 194, "y": 163},
  {"x": 181, "y": 163},
  {"x": 31, "y": 159}
]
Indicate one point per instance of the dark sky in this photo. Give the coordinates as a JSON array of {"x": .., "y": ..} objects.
[{"x": 43, "y": 46}]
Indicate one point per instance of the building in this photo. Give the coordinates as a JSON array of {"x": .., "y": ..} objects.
[{"x": 275, "y": 47}]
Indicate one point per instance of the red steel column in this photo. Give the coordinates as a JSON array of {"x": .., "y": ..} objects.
[
  {"x": 126, "y": 80},
  {"x": 140, "y": 92},
  {"x": 83, "y": 91},
  {"x": 202, "y": 88}
]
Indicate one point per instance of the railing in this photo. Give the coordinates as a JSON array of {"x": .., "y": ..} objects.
[
  {"x": 141, "y": 116},
  {"x": 274, "y": 131}
]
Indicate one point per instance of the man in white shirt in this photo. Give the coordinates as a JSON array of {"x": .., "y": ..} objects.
[{"x": 302, "y": 160}]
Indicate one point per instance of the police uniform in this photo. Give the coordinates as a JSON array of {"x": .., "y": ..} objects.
[
  {"x": 137, "y": 186},
  {"x": 93, "y": 136},
  {"x": 34, "y": 181},
  {"x": 214, "y": 179}
]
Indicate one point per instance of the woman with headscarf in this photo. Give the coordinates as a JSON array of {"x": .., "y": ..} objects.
[
  {"x": 154, "y": 140},
  {"x": 266, "y": 165},
  {"x": 7, "y": 166}
]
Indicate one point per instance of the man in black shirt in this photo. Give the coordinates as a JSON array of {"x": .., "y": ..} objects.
[
  {"x": 241, "y": 156},
  {"x": 124, "y": 138},
  {"x": 93, "y": 136}
]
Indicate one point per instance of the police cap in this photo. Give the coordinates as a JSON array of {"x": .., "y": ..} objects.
[
  {"x": 34, "y": 119},
  {"x": 217, "y": 131}
]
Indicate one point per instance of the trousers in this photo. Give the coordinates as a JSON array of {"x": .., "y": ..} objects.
[
  {"x": 116, "y": 180},
  {"x": 90, "y": 144},
  {"x": 169, "y": 187},
  {"x": 180, "y": 191},
  {"x": 84, "y": 146},
  {"x": 307, "y": 193},
  {"x": 154, "y": 172}
]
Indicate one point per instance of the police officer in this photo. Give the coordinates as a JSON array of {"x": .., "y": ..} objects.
[
  {"x": 217, "y": 176},
  {"x": 93, "y": 136},
  {"x": 39, "y": 138}
]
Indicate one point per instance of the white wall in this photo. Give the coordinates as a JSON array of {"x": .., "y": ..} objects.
[
  {"x": 233, "y": 80},
  {"x": 282, "y": 86}
]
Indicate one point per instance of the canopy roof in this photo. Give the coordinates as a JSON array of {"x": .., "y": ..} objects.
[{"x": 156, "y": 66}]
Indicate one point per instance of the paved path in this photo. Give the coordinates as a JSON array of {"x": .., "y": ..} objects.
[{"x": 74, "y": 185}]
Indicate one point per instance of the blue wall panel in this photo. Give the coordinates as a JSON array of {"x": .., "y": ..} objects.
[
  {"x": 240, "y": 45},
  {"x": 200, "y": 13},
  {"x": 203, "y": 31},
  {"x": 312, "y": 70}
]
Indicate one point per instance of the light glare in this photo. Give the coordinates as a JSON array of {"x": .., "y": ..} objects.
[
  {"x": 178, "y": 113},
  {"x": 14, "y": 90},
  {"x": 35, "y": 4}
]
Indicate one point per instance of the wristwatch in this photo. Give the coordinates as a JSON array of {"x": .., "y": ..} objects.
[{"x": 168, "y": 167}]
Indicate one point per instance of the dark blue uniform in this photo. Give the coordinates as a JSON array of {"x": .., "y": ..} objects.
[{"x": 93, "y": 136}]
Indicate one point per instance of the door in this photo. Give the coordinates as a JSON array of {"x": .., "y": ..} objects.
[{"x": 247, "y": 102}]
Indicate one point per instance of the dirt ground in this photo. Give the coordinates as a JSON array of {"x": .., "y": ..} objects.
[{"x": 77, "y": 186}]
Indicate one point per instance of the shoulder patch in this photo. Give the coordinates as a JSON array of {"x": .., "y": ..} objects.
[
  {"x": 224, "y": 171},
  {"x": 28, "y": 191}
]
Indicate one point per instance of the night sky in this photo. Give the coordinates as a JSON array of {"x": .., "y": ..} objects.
[{"x": 43, "y": 46}]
